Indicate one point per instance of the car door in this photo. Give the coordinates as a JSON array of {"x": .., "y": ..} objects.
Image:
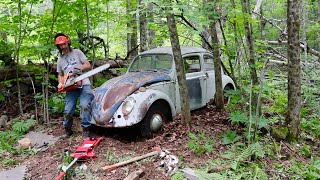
[
  {"x": 196, "y": 81},
  {"x": 210, "y": 83}
]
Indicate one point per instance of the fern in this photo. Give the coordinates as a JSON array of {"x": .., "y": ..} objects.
[
  {"x": 238, "y": 117},
  {"x": 23, "y": 126},
  {"x": 200, "y": 144},
  {"x": 213, "y": 176},
  {"x": 307, "y": 171},
  {"x": 230, "y": 137},
  {"x": 252, "y": 150},
  {"x": 56, "y": 102}
]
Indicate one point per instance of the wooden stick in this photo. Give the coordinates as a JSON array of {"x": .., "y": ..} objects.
[{"x": 109, "y": 167}]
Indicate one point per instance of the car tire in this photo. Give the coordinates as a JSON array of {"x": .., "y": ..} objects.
[{"x": 156, "y": 116}]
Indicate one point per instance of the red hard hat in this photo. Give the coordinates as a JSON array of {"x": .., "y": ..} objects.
[{"x": 61, "y": 40}]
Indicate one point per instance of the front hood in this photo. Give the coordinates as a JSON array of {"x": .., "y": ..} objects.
[{"x": 110, "y": 95}]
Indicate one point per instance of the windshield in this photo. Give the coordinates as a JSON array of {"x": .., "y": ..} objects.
[{"x": 152, "y": 62}]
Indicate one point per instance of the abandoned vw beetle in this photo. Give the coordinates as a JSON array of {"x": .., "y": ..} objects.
[{"x": 148, "y": 93}]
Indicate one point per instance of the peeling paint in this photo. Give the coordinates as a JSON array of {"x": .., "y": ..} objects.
[{"x": 110, "y": 95}]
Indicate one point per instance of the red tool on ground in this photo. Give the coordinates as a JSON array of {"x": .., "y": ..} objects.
[{"x": 83, "y": 152}]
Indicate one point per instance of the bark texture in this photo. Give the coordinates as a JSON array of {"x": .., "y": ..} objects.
[
  {"x": 132, "y": 30},
  {"x": 294, "y": 69},
  {"x": 185, "y": 108},
  {"x": 143, "y": 29},
  {"x": 214, "y": 25}
]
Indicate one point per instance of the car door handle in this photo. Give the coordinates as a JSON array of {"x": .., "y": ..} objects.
[{"x": 203, "y": 77}]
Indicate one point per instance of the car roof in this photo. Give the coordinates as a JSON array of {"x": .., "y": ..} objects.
[{"x": 168, "y": 50}]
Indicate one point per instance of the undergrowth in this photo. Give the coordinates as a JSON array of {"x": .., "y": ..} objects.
[
  {"x": 9, "y": 139},
  {"x": 263, "y": 157}
]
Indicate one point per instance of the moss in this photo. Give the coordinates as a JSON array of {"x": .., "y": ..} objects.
[
  {"x": 279, "y": 133},
  {"x": 291, "y": 137}
]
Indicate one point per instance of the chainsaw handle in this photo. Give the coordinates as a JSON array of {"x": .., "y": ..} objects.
[{"x": 60, "y": 175}]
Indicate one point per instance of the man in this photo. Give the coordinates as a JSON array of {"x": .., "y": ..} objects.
[{"x": 73, "y": 60}]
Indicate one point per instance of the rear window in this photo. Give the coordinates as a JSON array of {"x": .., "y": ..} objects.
[{"x": 208, "y": 62}]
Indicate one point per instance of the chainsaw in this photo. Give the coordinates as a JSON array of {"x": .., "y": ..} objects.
[
  {"x": 83, "y": 152},
  {"x": 73, "y": 80}
]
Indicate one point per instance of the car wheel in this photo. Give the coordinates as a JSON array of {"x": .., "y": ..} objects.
[{"x": 156, "y": 116}]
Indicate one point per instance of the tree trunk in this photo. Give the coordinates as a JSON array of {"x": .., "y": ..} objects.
[
  {"x": 319, "y": 10},
  {"x": 294, "y": 69},
  {"x": 128, "y": 29},
  {"x": 185, "y": 108},
  {"x": 17, "y": 55},
  {"x": 143, "y": 29},
  {"x": 250, "y": 45},
  {"x": 219, "y": 100},
  {"x": 132, "y": 27}
]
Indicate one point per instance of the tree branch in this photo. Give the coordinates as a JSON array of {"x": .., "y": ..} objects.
[{"x": 302, "y": 46}]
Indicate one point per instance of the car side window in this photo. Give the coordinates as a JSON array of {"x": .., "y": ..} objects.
[
  {"x": 192, "y": 64},
  {"x": 208, "y": 62}
]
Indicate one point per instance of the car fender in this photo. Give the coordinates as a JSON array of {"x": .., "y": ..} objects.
[
  {"x": 143, "y": 99},
  {"x": 227, "y": 80}
]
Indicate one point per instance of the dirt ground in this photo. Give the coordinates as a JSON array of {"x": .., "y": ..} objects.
[{"x": 123, "y": 144}]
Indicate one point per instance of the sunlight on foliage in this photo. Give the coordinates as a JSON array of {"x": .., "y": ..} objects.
[{"x": 279, "y": 105}]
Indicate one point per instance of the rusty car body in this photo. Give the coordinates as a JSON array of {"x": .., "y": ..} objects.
[{"x": 148, "y": 93}]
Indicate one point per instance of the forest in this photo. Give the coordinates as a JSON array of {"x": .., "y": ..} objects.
[{"x": 269, "y": 129}]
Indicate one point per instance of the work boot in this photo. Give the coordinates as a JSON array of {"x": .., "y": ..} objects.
[
  {"x": 86, "y": 133},
  {"x": 67, "y": 133}
]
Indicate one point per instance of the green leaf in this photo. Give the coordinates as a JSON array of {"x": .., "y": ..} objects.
[
  {"x": 238, "y": 117},
  {"x": 2, "y": 98},
  {"x": 230, "y": 137}
]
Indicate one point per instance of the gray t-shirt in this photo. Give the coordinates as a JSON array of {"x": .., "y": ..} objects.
[{"x": 68, "y": 62}]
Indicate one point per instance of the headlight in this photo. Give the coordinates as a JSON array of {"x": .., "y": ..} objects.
[{"x": 128, "y": 105}]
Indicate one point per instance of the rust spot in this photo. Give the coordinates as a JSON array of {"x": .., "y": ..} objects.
[{"x": 117, "y": 93}]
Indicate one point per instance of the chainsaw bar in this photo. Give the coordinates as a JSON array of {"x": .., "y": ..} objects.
[{"x": 86, "y": 75}]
